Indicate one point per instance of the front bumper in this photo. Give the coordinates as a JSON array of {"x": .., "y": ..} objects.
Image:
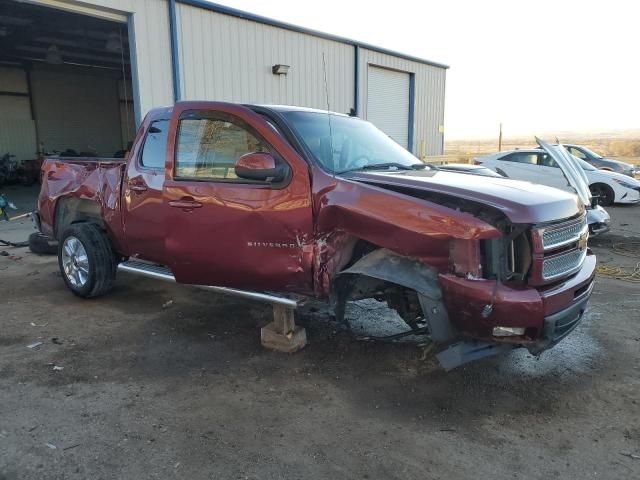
[
  {"x": 599, "y": 220},
  {"x": 522, "y": 307},
  {"x": 548, "y": 315},
  {"x": 560, "y": 324},
  {"x": 631, "y": 195}
]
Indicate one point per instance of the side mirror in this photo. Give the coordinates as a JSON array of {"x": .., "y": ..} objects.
[{"x": 261, "y": 167}]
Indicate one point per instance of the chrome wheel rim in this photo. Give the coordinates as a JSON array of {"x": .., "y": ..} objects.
[{"x": 75, "y": 262}]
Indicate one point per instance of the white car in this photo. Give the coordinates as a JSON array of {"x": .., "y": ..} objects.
[{"x": 537, "y": 166}]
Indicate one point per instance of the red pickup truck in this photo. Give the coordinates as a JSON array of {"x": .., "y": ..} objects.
[{"x": 292, "y": 200}]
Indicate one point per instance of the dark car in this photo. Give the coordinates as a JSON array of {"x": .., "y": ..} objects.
[{"x": 599, "y": 161}]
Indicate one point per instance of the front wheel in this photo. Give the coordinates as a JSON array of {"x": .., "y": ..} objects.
[
  {"x": 86, "y": 260},
  {"x": 603, "y": 194}
]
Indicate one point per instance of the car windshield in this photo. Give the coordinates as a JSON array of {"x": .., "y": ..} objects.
[
  {"x": 342, "y": 144},
  {"x": 590, "y": 153}
]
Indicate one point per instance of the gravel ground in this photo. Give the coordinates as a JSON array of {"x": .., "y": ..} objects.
[{"x": 123, "y": 387}]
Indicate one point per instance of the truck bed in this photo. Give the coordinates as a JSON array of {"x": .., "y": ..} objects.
[{"x": 93, "y": 180}]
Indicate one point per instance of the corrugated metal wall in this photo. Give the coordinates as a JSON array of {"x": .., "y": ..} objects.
[
  {"x": 429, "y": 98},
  {"x": 223, "y": 57},
  {"x": 17, "y": 129},
  {"x": 152, "y": 42},
  {"x": 90, "y": 125},
  {"x": 230, "y": 59}
]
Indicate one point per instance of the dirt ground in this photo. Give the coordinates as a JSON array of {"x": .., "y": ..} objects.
[{"x": 186, "y": 390}]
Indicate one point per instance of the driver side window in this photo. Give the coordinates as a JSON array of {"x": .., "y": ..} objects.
[{"x": 209, "y": 148}]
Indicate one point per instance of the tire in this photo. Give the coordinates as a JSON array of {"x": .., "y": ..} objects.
[
  {"x": 42, "y": 245},
  {"x": 606, "y": 195},
  {"x": 87, "y": 262}
]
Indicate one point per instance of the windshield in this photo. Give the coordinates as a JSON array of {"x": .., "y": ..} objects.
[
  {"x": 590, "y": 153},
  {"x": 350, "y": 143}
]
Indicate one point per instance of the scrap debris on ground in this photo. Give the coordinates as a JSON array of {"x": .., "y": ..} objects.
[{"x": 121, "y": 388}]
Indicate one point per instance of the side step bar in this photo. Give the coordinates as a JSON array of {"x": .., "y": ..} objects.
[{"x": 159, "y": 272}]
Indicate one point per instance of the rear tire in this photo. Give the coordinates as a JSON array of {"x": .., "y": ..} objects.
[
  {"x": 42, "y": 245},
  {"x": 604, "y": 193},
  {"x": 86, "y": 260}
]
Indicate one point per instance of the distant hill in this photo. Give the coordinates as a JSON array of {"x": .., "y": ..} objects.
[{"x": 623, "y": 144}]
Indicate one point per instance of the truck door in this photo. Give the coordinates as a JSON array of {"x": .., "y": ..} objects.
[
  {"x": 228, "y": 231},
  {"x": 142, "y": 192}
]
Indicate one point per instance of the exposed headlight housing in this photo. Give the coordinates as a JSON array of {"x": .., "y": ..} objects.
[{"x": 508, "y": 331}]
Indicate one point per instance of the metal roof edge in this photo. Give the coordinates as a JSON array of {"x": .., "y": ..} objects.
[{"x": 215, "y": 7}]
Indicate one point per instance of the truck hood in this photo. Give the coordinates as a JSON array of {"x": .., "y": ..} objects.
[
  {"x": 571, "y": 169},
  {"x": 521, "y": 202}
]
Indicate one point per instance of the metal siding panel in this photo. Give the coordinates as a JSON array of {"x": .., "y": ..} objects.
[
  {"x": 17, "y": 136},
  {"x": 63, "y": 122},
  {"x": 241, "y": 53},
  {"x": 13, "y": 80}
]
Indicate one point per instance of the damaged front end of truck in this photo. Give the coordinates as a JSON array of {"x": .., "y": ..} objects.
[{"x": 480, "y": 266}]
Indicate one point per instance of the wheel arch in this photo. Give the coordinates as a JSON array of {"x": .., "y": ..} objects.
[
  {"x": 604, "y": 186},
  {"x": 70, "y": 210},
  {"x": 382, "y": 265}
]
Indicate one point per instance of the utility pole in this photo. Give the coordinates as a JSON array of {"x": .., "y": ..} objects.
[{"x": 500, "y": 139}]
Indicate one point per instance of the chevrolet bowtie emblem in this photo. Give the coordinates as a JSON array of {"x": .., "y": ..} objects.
[{"x": 582, "y": 241}]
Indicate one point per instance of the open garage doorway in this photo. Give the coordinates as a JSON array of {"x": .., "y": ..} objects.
[{"x": 65, "y": 83}]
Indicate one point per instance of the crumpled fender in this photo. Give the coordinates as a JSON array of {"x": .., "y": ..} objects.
[
  {"x": 409, "y": 226},
  {"x": 94, "y": 180}
]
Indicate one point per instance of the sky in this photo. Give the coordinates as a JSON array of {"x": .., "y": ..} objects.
[{"x": 536, "y": 66}]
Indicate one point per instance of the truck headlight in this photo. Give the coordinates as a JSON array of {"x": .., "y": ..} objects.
[{"x": 508, "y": 331}]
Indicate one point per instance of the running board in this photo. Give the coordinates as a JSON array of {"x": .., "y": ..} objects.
[{"x": 159, "y": 272}]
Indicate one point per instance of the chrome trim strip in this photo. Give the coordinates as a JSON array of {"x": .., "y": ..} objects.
[{"x": 160, "y": 273}]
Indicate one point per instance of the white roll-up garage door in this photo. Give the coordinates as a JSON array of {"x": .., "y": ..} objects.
[{"x": 388, "y": 102}]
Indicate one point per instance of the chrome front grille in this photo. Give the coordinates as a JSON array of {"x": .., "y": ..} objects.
[
  {"x": 563, "y": 264},
  {"x": 557, "y": 236}
]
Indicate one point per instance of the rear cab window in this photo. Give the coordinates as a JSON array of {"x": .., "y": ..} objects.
[{"x": 154, "y": 148}]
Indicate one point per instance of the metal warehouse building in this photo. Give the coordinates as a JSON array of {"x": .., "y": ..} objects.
[{"x": 80, "y": 75}]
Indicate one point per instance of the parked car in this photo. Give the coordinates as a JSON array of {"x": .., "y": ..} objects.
[
  {"x": 599, "y": 162},
  {"x": 467, "y": 168},
  {"x": 292, "y": 200},
  {"x": 537, "y": 166}
]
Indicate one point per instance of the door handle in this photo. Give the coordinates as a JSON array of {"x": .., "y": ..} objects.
[
  {"x": 186, "y": 203},
  {"x": 137, "y": 188}
]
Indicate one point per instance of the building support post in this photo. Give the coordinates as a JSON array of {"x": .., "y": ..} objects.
[
  {"x": 356, "y": 81},
  {"x": 175, "y": 58}
]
